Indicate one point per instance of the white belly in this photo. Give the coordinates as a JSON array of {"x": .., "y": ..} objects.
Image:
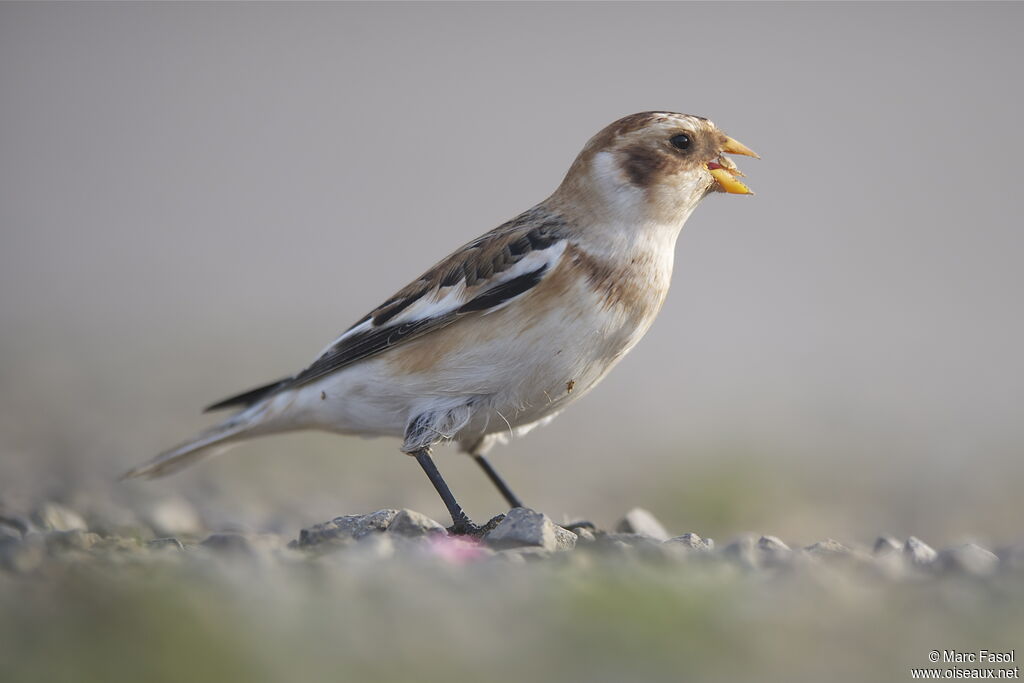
[{"x": 514, "y": 366}]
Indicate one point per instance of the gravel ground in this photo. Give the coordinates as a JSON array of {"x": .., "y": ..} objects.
[{"x": 391, "y": 596}]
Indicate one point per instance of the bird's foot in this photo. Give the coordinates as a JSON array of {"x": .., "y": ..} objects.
[
  {"x": 465, "y": 528},
  {"x": 582, "y": 524}
]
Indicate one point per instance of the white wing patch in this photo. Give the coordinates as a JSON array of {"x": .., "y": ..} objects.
[{"x": 444, "y": 300}]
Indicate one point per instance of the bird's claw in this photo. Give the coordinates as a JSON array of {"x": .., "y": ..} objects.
[{"x": 465, "y": 528}]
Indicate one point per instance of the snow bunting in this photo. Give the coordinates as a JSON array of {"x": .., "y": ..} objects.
[{"x": 503, "y": 334}]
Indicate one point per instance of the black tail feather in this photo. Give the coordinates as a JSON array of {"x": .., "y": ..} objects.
[{"x": 249, "y": 397}]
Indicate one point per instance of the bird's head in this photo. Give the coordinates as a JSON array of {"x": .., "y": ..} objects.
[{"x": 655, "y": 164}]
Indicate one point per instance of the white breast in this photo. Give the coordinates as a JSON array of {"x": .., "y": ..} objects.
[{"x": 514, "y": 366}]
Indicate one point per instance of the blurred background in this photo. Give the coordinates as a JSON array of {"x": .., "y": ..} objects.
[{"x": 195, "y": 199}]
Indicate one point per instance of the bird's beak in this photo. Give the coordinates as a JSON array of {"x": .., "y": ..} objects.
[
  {"x": 736, "y": 147},
  {"x": 725, "y": 172}
]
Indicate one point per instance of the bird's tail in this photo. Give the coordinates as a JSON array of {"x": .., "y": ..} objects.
[{"x": 213, "y": 441}]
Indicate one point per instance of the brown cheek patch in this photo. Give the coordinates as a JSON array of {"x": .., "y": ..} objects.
[{"x": 644, "y": 165}]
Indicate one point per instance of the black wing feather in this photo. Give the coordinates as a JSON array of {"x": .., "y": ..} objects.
[
  {"x": 249, "y": 397},
  {"x": 374, "y": 341},
  {"x": 533, "y": 230}
]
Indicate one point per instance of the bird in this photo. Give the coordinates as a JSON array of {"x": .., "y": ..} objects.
[{"x": 504, "y": 333}]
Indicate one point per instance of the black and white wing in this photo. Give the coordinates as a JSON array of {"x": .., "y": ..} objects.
[{"x": 479, "y": 278}]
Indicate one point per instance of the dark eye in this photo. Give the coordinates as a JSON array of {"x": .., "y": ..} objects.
[{"x": 681, "y": 141}]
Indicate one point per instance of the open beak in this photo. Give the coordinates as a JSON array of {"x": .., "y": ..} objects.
[{"x": 725, "y": 172}]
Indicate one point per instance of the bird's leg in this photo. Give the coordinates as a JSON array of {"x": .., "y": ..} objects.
[
  {"x": 461, "y": 524},
  {"x": 511, "y": 498}
]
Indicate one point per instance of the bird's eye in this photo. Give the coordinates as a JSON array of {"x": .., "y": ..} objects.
[{"x": 681, "y": 141}]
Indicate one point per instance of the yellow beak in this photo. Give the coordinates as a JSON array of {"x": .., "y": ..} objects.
[
  {"x": 724, "y": 171},
  {"x": 736, "y": 147}
]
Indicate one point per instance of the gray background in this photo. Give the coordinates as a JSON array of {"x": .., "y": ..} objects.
[{"x": 196, "y": 198}]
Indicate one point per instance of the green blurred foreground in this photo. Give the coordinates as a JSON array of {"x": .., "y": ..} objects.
[{"x": 106, "y": 615}]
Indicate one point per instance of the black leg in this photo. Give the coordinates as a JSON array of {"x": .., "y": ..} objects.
[
  {"x": 511, "y": 498},
  {"x": 461, "y": 523}
]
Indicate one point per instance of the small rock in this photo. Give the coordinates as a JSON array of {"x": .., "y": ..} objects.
[
  {"x": 968, "y": 559},
  {"x": 523, "y": 527},
  {"x": 773, "y": 551},
  {"x": 693, "y": 542},
  {"x": 75, "y": 539},
  {"x": 174, "y": 517},
  {"x": 918, "y": 553},
  {"x": 772, "y": 544},
  {"x": 640, "y": 521},
  {"x": 584, "y": 535},
  {"x": 743, "y": 551},
  {"x": 165, "y": 544},
  {"x": 229, "y": 543},
  {"x": 55, "y": 517},
  {"x": 374, "y": 522},
  {"x": 347, "y": 528},
  {"x": 412, "y": 524},
  {"x": 829, "y": 548},
  {"x": 564, "y": 539},
  {"x": 886, "y": 545},
  {"x": 14, "y": 522}
]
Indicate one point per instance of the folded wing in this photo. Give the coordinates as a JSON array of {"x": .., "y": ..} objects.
[{"x": 479, "y": 278}]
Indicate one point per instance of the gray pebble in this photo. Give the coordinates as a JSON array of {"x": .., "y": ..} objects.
[
  {"x": 229, "y": 543},
  {"x": 968, "y": 559},
  {"x": 693, "y": 542},
  {"x": 412, "y": 524},
  {"x": 165, "y": 544},
  {"x": 584, "y": 535},
  {"x": 918, "y": 553},
  {"x": 174, "y": 517},
  {"x": 347, "y": 528},
  {"x": 773, "y": 551},
  {"x": 640, "y": 521},
  {"x": 886, "y": 545},
  {"x": 829, "y": 548},
  {"x": 361, "y": 525},
  {"x": 743, "y": 551},
  {"x": 772, "y": 544},
  {"x": 524, "y": 527},
  {"x": 56, "y": 517},
  {"x": 10, "y": 521},
  {"x": 11, "y": 533},
  {"x": 564, "y": 539}
]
